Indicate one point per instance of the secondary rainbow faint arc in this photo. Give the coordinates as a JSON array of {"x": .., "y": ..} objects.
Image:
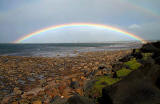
[{"x": 80, "y": 25}]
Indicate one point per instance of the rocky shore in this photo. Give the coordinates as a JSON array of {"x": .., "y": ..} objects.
[
  {"x": 105, "y": 77},
  {"x": 37, "y": 80}
]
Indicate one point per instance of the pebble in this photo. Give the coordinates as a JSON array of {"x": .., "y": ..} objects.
[{"x": 37, "y": 102}]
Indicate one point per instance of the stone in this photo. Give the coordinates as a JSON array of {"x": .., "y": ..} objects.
[
  {"x": 49, "y": 79},
  {"x": 101, "y": 67},
  {"x": 73, "y": 79},
  {"x": 58, "y": 100},
  {"x": 85, "y": 67},
  {"x": 67, "y": 93},
  {"x": 24, "y": 101},
  {"x": 79, "y": 100},
  {"x": 74, "y": 84},
  {"x": 79, "y": 91},
  {"x": 82, "y": 77},
  {"x": 50, "y": 93},
  {"x": 5, "y": 100},
  {"x": 15, "y": 102},
  {"x": 17, "y": 91},
  {"x": 37, "y": 102}
]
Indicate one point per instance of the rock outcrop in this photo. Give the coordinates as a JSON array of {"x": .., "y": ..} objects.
[
  {"x": 142, "y": 86},
  {"x": 79, "y": 100}
]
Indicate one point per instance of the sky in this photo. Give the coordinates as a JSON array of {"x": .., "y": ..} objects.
[{"x": 21, "y": 17}]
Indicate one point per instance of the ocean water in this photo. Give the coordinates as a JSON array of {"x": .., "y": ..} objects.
[{"x": 60, "y": 49}]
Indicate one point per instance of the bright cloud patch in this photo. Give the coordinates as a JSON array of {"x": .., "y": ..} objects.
[{"x": 134, "y": 26}]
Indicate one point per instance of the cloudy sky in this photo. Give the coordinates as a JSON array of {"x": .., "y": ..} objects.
[{"x": 21, "y": 17}]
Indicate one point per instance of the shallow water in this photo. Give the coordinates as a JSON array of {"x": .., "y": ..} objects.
[{"x": 60, "y": 49}]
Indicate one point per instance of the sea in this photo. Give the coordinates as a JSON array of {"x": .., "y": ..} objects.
[{"x": 62, "y": 49}]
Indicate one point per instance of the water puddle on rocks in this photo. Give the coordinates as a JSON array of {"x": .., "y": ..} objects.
[
  {"x": 40, "y": 77},
  {"x": 31, "y": 79},
  {"x": 21, "y": 81}
]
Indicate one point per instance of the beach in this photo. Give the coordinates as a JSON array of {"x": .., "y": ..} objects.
[{"x": 28, "y": 79}]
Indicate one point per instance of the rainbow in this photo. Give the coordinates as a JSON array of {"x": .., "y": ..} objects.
[{"x": 80, "y": 25}]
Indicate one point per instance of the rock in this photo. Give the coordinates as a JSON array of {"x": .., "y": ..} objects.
[
  {"x": 50, "y": 93},
  {"x": 114, "y": 74},
  {"x": 17, "y": 91},
  {"x": 156, "y": 44},
  {"x": 98, "y": 73},
  {"x": 85, "y": 67},
  {"x": 126, "y": 58},
  {"x": 117, "y": 65},
  {"x": 24, "y": 101},
  {"x": 82, "y": 78},
  {"x": 139, "y": 87},
  {"x": 101, "y": 67},
  {"x": 37, "y": 102},
  {"x": 74, "y": 84},
  {"x": 79, "y": 100},
  {"x": 32, "y": 93},
  {"x": 157, "y": 60},
  {"x": 88, "y": 86},
  {"x": 58, "y": 100},
  {"x": 79, "y": 91},
  {"x": 15, "y": 102},
  {"x": 97, "y": 63},
  {"x": 73, "y": 79},
  {"x": 149, "y": 48},
  {"x": 28, "y": 95},
  {"x": 46, "y": 101},
  {"x": 5, "y": 100},
  {"x": 49, "y": 79},
  {"x": 67, "y": 92},
  {"x": 137, "y": 55}
]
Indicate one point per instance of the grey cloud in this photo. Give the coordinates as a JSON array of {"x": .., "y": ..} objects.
[
  {"x": 39, "y": 14},
  {"x": 148, "y": 31}
]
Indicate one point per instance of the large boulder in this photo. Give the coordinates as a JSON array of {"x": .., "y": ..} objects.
[
  {"x": 156, "y": 44},
  {"x": 79, "y": 100},
  {"x": 151, "y": 48},
  {"x": 139, "y": 87}
]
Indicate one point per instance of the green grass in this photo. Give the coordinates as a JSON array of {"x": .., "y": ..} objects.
[
  {"x": 133, "y": 64},
  {"x": 123, "y": 72},
  {"x": 146, "y": 55}
]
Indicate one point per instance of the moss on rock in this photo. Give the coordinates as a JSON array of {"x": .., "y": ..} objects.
[
  {"x": 102, "y": 82},
  {"x": 146, "y": 56},
  {"x": 133, "y": 64},
  {"x": 123, "y": 72}
]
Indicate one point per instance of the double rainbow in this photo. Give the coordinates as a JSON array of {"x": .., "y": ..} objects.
[{"x": 79, "y": 25}]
